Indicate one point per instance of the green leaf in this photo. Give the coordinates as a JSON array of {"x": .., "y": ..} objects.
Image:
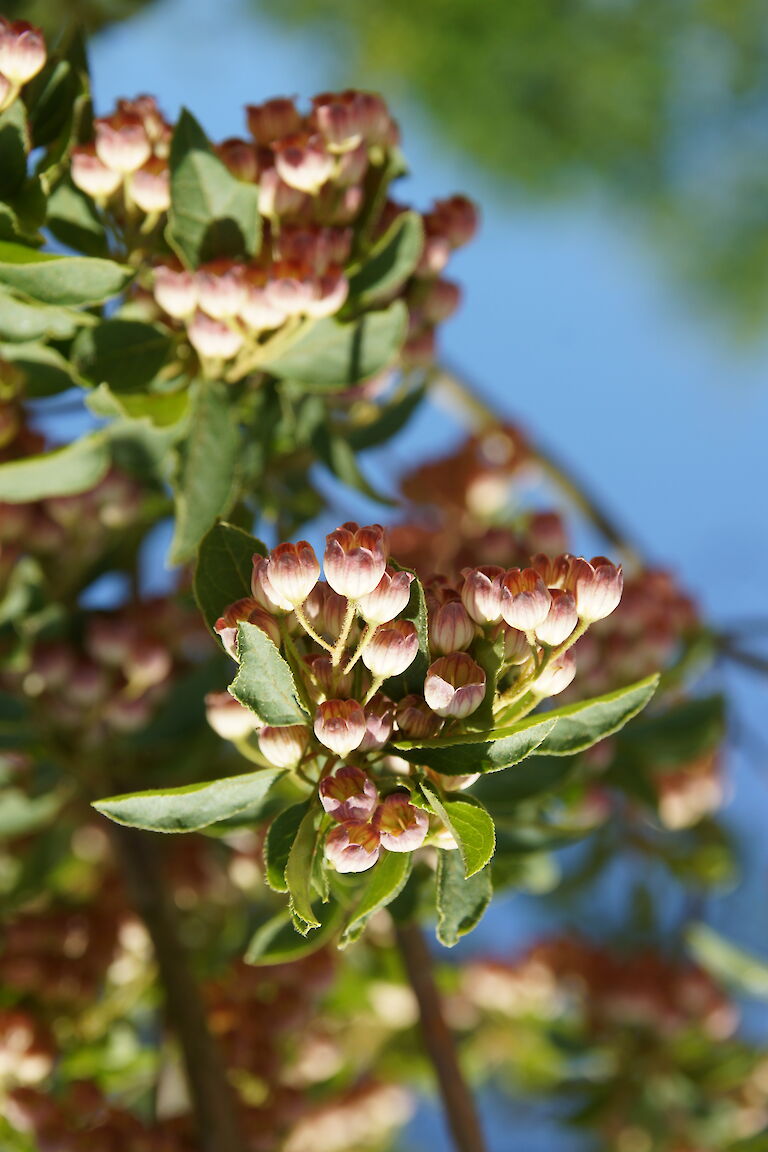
[
  {"x": 391, "y": 420},
  {"x": 212, "y": 213},
  {"x": 471, "y": 827},
  {"x": 265, "y": 682},
  {"x": 384, "y": 882},
  {"x": 468, "y": 754},
  {"x": 489, "y": 654},
  {"x": 278, "y": 942},
  {"x": 330, "y": 356},
  {"x": 50, "y": 98},
  {"x": 14, "y": 144},
  {"x": 21, "y": 321},
  {"x": 460, "y": 902},
  {"x": 681, "y": 733},
  {"x": 298, "y": 873},
  {"x": 391, "y": 261},
  {"x": 193, "y": 807},
  {"x": 579, "y": 726},
  {"x": 206, "y": 479},
  {"x": 535, "y": 776},
  {"x": 125, "y": 354},
  {"x": 21, "y": 814},
  {"x": 412, "y": 680},
  {"x": 63, "y": 472},
  {"x": 73, "y": 219},
  {"x": 46, "y": 371},
  {"x": 159, "y": 409},
  {"x": 70, "y": 281},
  {"x": 742, "y": 971},
  {"x": 278, "y": 843},
  {"x": 340, "y": 459},
  {"x": 223, "y": 571}
]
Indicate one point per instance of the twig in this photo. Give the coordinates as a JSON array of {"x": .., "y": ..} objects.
[
  {"x": 212, "y": 1099},
  {"x": 458, "y": 1102}
]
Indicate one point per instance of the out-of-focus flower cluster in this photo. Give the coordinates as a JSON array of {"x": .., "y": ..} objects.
[
  {"x": 665, "y": 1018},
  {"x": 320, "y": 178},
  {"x": 22, "y": 56},
  {"x": 349, "y": 636}
]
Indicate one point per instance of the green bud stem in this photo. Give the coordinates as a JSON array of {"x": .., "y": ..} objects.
[
  {"x": 365, "y": 640},
  {"x": 310, "y": 631},
  {"x": 337, "y": 652}
]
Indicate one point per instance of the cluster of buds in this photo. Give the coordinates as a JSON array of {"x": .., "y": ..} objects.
[
  {"x": 125, "y": 168},
  {"x": 353, "y": 647},
  {"x": 22, "y": 56},
  {"x": 112, "y": 682}
]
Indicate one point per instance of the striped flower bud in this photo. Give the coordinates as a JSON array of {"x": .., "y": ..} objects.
[
  {"x": 175, "y": 291},
  {"x": 325, "y": 609},
  {"x": 249, "y": 610},
  {"x": 338, "y": 118},
  {"x": 292, "y": 571},
  {"x": 392, "y": 648},
  {"x": 91, "y": 176},
  {"x": 454, "y": 685},
  {"x": 553, "y": 570},
  {"x": 332, "y": 682},
  {"x": 283, "y": 746},
  {"x": 450, "y": 628},
  {"x": 150, "y": 187},
  {"x": 303, "y": 162},
  {"x": 402, "y": 826},
  {"x": 261, "y": 587},
  {"x": 240, "y": 158},
  {"x": 256, "y": 310},
  {"x": 561, "y": 619},
  {"x": 328, "y": 294},
  {"x": 389, "y": 597},
  {"x": 379, "y": 721},
  {"x": 22, "y": 51},
  {"x": 517, "y": 650},
  {"x": 274, "y": 118},
  {"x": 556, "y": 676},
  {"x": 349, "y": 794},
  {"x": 220, "y": 289},
  {"x": 278, "y": 199},
  {"x": 340, "y": 725},
  {"x": 456, "y": 218},
  {"x": 355, "y": 559},
  {"x": 122, "y": 142},
  {"x": 481, "y": 593},
  {"x": 213, "y": 339},
  {"x": 525, "y": 599},
  {"x": 352, "y": 847},
  {"x": 228, "y": 717},
  {"x": 596, "y": 585},
  {"x": 415, "y": 719}
]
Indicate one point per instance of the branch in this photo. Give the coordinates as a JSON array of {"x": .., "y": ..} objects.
[
  {"x": 458, "y": 1103},
  {"x": 212, "y": 1100}
]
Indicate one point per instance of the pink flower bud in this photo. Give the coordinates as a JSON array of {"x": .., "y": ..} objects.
[
  {"x": 240, "y": 158},
  {"x": 110, "y": 640},
  {"x": 349, "y": 794},
  {"x": 251, "y": 611},
  {"x": 375, "y": 121},
  {"x": 437, "y": 300},
  {"x": 292, "y": 571},
  {"x": 22, "y": 51},
  {"x": 125, "y": 715},
  {"x": 596, "y": 585},
  {"x": 175, "y": 291},
  {"x": 122, "y": 142},
  {"x": 291, "y": 287},
  {"x": 352, "y": 847},
  {"x": 338, "y": 207},
  {"x": 303, "y": 162},
  {"x": 263, "y": 591},
  {"x": 355, "y": 559},
  {"x": 228, "y": 717},
  {"x": 517, "y": 650},
  {"x": 332, "y": 682},
  {"x": 88, "y": 685},
  {"x": 379, "y": 721},
  {"x": 351, "y": 167},
  {"x": 553, "y": 570},
  {"x": 454, "y": 685},
  {"x": 284, "y": 746},
  {"x": 149, "y": 662},
  {"x": 325, "y": 610},
  {"x": 455, "y": 218},
  {"x": 525, "y": 599},
  {"x": 150, "y": 186},
  {"x": 339, "y": 120},
  {"x": 402, "y": 826},
  {"x": 340, "y": 725},
  {"x": 389, "y": 597},
  {"x": 434, "y": 256},
  {"x": 213, "y": 339},
  {"x": 328, "y": 294},
  {"x": 481, "y": 593},
  {"x": 274, "y": 118},
  {"x": 256, "y": 310},
  {"x": 278, "y": 199},
  {"x": 220, "y": 289},
  {"x": 392, "y": 648},
  {"x": 556, "y": 676},
  {"x": 91, "y": 176},
  {"x": 450, "y": 628},
  {"x": 415, "y": 719},
  {"x": 561, "y": 619}
]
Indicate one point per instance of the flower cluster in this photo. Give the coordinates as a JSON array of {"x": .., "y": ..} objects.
[
  {"x": 319, "y": 175},
  {"x": 368, "y": 676},
  {"x": 22, "y": 56}
]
